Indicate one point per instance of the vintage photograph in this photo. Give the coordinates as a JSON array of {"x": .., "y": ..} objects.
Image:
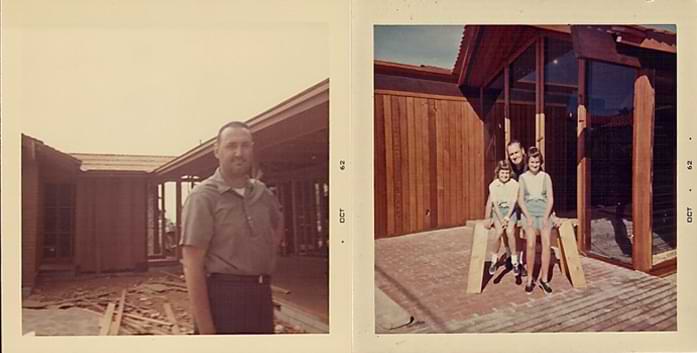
[
  {"x": 525, "y": 178},
  {"x": 174, "y": 178}
]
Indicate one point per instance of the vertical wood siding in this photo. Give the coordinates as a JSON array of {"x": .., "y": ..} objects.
[
  {"x": 110, "y": 228},
  {"x": 428, "y": 163}
]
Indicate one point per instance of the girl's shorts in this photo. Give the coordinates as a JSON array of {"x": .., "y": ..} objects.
[
  {"x": 504, "y": 211},
  {"x": 536, "y": 209}
]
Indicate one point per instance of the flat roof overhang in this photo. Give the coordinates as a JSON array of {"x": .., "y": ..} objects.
[{"x": 292, "y": 135}]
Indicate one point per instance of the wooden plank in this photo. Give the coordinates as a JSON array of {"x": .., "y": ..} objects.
[
  {"x": 114, "y": 330},
  {"x": 172, "y": 318},
  {"x": 642, "y": 170},
  {"x": 427, "y": 169},
  {"x": 477, "y": 258},
  {"x": 563, "y": 266},
  {"x": 572, "y": 258},
  {"x": 457, "y": 158},
  {"x": 433, "y": 163},
  {"x": 439, "y": 164},
  {"x": 379, "y": 180},
  {"x": 467, "y": 170},
  {"x": 105, "y": 324},
  {"x": 389, "y": 166},
  {"x": 582, "y": 163},
  {"x": 413, "y": 159},
  {"x": 404, "y": 139},
  {"x": 507, "y": 104},
  {"x": 421, "y": 168},
  {"x": 397, "y": 150}
]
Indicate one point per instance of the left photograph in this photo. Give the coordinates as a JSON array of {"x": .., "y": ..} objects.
[{"x": 175, "y": 181}]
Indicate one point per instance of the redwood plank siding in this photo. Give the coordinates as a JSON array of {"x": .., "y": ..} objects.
[
  {"x": 379, "y": 168},
  {"x": 429, "y": 162},
  {"x": 397, "y": 158},
  {"x": 389, "y": 166},
  {"x": 433, "y": 162},
  {"x": 413, "y": 160}
]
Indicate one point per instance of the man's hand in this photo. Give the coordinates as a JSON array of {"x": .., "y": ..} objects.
[
  {"x": 488, "y": 223},
  {"x": 195, "y": 275}
]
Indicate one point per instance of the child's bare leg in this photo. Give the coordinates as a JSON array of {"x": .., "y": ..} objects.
[
  {"x": 545, "y": 234},
  {"x": 530, "y": 237},
  {"x": 510, "y": 236}
]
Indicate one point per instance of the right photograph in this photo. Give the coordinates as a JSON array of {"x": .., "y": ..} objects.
[{"x": 525, "y": 178}]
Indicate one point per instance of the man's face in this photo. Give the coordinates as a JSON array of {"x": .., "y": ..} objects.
[
  {"x": 234, "y": 151},
  {"x": 515, "y": 154}
]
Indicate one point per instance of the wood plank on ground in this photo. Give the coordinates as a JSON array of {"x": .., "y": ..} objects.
[
  {"x": 114, "y": 331},
  {"x": 106, "y": 320},
  {"x": 570, "y": 252},
  {"x": 477, "y": 257},
  {"x": 172, "y": 318}
]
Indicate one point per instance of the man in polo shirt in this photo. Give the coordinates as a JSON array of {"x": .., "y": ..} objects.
[{"x": 232, "y": 226}]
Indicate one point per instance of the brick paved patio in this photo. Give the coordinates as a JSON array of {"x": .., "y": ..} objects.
[{"x": 426, "y": 273}]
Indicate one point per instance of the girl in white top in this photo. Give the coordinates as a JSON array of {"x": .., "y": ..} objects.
[
  {"x": 503, "y": 192},
  {"x": 536, "y": 199}
]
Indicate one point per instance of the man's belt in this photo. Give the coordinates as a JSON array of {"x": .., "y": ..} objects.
[{"x": 229, "y": 277}]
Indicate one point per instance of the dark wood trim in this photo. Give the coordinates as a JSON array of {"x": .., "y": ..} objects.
[
  {"x": 642, "y": 155},
  {"x": 582, "y": 163},
  {"x": 608, "y": 260},
  {"x": 419, "y": 95},
  {"x": 665, "y": 268},
  {"x": 512, "y": 58}
]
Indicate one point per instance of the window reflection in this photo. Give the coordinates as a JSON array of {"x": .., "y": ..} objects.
[
  {"x": 610, "y": 106},
  {"x": 561, "y": 96}
]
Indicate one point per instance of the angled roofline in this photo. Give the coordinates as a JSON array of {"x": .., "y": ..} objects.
[{"x": 313, "y": 96}]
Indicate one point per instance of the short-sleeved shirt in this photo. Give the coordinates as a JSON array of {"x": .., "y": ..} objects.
[
  {"x": 238, "y": 232},
  {"x": 502, "y": 194}
]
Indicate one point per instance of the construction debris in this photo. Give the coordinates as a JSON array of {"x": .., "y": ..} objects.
[{"x": 153, "y": 303}]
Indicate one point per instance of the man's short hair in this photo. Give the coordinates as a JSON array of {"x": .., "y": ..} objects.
[
  {"x": 232, "y": 124},
  {"x": 513, "y": 142}
]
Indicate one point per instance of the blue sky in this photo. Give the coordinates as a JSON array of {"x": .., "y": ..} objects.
[
  {"x": 434, "y": 45},
  {"x": 418, "y": 44}
]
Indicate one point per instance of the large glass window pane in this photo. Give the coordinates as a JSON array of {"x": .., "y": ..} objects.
[
  {"x": 494, "y": 124},
  {"x": 523, "y": 79},
  {"x": 561, "y": 96},
  {"x": 664, "y": 161},
  {"x": 610, "y": 106}
]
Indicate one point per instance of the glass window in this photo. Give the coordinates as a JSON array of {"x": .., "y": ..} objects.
[
  {"x": 610, "y": 106},
  {"x": 664, "y": 161},
  {"x": 560, "y": 108},
  {"x": 522, "y": 106}
]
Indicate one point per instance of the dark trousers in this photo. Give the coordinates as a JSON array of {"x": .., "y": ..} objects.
[{"x": 240, "y": 304}]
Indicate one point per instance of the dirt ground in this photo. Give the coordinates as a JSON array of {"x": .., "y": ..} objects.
[{"x": 62, "y": 305}]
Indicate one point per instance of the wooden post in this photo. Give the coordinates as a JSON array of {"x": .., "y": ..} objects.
[
  {"x": 155, "y": 218},
  {"x": 642, "y": 169},
  {"x": 582, "y": 163},
  {"x": 178, "y": 209},
  {"x": 163, "y": 222},
  {"x": 294, "y": 214}
]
